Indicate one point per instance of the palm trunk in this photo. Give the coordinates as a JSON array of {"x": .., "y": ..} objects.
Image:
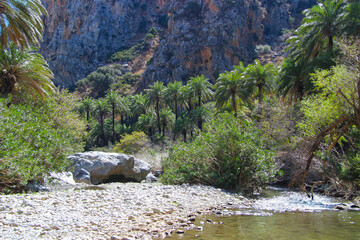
[
  {"x": 331, "y": 43},
  {"x": 163, "y": 130},
  {"x": 102, "y": 129},
  {"x": 234, "y": 104},
  {"x": 260, "y": 86},
  {"x": 176, "y": 109},
  {"x": 113, "y": 123},
  {"x": 158, "y": 116}
]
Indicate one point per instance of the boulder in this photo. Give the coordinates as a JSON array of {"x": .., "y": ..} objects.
[
  {"x": 82, "y": 176},
  {"x": 108, "y": 167}
]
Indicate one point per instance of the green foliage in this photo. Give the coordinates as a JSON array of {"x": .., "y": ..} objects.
[
  {"x": 132, "y": 143},
  {"x": 323, "y": 109},
  {"x": 36, "y": 138},
  {"x": 98, "y": 83},
  {"x": 128, "y": 54},
  {"x": 228, "y": 154},
  {"x": 262, "y": 49},
  {"x": 24, "y": 72},
  {"x": 21, "y": 22}
]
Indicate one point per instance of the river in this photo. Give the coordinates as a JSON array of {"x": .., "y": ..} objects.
[{"x": 280, "y": 214}]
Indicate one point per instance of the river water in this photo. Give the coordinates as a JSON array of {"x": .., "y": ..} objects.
[{"x": 280, "y": 215}]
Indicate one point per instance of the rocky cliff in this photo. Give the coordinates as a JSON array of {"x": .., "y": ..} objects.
[{"x": 196, "y": 36}]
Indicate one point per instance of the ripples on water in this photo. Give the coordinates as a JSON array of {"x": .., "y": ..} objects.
[
  {"x": 294, "y": 201},
  {"x": 281, "y": 215}
]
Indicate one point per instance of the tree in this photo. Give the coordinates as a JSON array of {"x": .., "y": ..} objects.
[
  {"x": 258, "y": 78},
  {"x": 351, "y": 20},
  {"x": 330, "y": 114},
  {"x": 321, "y": 24},
  {"x": 138, "y": 104},
  {"x": 229, "y": 86},
  {"x": 199, "y": 116},
  {"x": 155, "y": 96},
  {"x": 20, "y": 22},
  {"x": 187, "y": 96},
  {"x": 181, "y": 126},
  {"x": 24, "y": 71},
  {"x": 167, "y": 119},
  {"x": 293, "y": 80},
  {"x": 201, "y": 87},
  {"x": 101, "y": 109},
  {"x": 113, "y": 100},
  {"x": 172, "y": 95},
  {"x": 147, "y": 122},
  {"x": 86, "y": 105}
]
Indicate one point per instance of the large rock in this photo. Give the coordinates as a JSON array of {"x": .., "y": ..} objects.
[{"x": 109, "y": 167}]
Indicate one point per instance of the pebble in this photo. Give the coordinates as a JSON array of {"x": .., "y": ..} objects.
[{"x": 109, "y": 211}]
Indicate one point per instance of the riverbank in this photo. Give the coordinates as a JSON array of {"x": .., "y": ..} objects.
[{"x": 110, "y": 211}]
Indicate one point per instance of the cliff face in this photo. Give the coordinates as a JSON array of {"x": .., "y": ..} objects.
[
  {"x": 197, "y": 36},
  {"x": 80, "y": 34}
]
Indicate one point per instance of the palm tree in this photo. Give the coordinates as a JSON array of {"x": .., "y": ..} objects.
[
  {"x": 201, "y": 87},
  {"x": 229, "y": 86},
  {"x": 187, "y": 96},
  {"x": 86, "y": 105},
  {"x": 167, "y": 119},
  {"x": 321, "y": 24},
  {"x": 257, "y": 78},
  {"x": 351, "y": 19},
  {"x": 181, "y": 126},
  {"x": 199, "y": 115},
  {"x": 101, "y": 108},
  {"x": 155, "y": 96},
  {"x": 172, "y": 96},
  {"x": 147, "y": 122},
  {"x": 124, "y": 108},
  {"x": 113, "y": 99},
  {"x": 138, "y": 104},
  {"x": 20, "y": 22},
  {"x": 292, "y": 79},
  {"x": 24, "y": 71}
]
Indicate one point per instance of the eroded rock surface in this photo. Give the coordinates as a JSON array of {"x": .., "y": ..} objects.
[{"x": 100, "y": 167}]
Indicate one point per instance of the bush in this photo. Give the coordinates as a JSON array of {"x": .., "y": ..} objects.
[
  {"x": 132, "y": 143},
  {"x": 262, "y": 49},
  {"x": 229, "y": 154},
  {"x": 129, "y": 54},
  {"x": 36, "y": 138}
]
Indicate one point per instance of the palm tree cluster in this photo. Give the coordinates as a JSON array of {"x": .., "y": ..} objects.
[{"x": 178, "y": 109}]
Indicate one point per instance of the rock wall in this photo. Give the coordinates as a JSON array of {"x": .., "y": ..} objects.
[
  {"x": 81, "y": 34},
  {"x": 197, "y": 36}
]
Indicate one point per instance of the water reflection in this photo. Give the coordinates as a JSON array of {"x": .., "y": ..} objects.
[{"x": 282, "y": 215}]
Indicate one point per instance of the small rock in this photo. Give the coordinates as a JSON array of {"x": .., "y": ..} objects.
[
  {"x": 180, "y": 231},
  {"x": 199, "y": 228},
  {"x": 150, "y": 178},
  {"x": 208, "y": 221}
]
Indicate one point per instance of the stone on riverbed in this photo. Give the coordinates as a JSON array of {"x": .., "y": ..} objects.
[{"x": 108, "y": 167}]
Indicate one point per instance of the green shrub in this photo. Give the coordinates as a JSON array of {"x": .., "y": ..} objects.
[
  {"x": 35, "y": 139},
  {"x": 262, "y": 49},
  {"x": 229, "y": 154},
  {"x": 132, "y": 143},
  {"x": 129, "y": 54}
]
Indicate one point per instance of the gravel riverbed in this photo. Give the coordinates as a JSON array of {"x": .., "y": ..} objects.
[{"x": 110, "y": 211}]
